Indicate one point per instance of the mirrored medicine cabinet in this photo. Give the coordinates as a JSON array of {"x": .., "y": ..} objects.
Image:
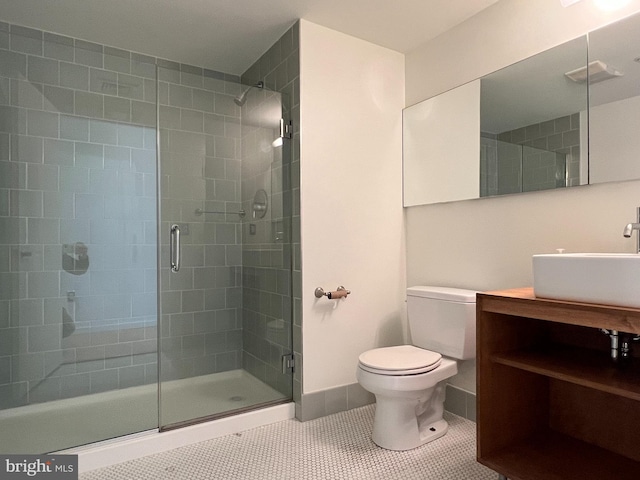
[{"x": 564, "y": 117}]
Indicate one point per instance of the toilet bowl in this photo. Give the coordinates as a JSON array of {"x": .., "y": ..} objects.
[{"x": 409, "y": 381}]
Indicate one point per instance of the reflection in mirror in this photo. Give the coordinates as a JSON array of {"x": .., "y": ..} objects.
[
  {"x": 614, "y": 104},
  {"x": 533, "y": 122}
]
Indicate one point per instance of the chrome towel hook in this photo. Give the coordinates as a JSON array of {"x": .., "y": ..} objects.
[{"x": 340, "y": 292}]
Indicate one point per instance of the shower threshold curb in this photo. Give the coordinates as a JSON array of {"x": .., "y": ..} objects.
[{"x": 131, "y": 447}]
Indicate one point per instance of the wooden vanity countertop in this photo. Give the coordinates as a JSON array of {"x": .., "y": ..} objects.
[{"x": 522, "y": 302}]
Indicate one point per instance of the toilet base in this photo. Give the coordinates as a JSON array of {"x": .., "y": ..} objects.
[
  {"x": 431, "y": 432},
  {"x": 402, "y": 423}
]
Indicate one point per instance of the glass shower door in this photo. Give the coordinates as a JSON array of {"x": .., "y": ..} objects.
[
  {"x": 77, "y": 244},
  {"x": 225, "y": 281},
  {"x": 83, "y": 224}
]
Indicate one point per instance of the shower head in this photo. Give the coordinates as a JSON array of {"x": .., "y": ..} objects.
[{"x": 240, "y": 99}]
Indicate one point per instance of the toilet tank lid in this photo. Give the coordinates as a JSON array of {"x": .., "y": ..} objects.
[{"x": 443, "y": 293}]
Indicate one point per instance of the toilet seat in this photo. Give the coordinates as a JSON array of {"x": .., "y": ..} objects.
[{"x": 400, "y": 360}]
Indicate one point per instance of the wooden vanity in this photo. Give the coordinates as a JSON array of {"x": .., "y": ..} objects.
[{"x": 551, "y": 403}]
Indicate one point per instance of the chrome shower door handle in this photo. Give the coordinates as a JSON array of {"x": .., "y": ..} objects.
[{"x": 175, "y": 248}]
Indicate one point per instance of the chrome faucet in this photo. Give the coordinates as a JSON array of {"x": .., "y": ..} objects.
[
  {"x": 628, "y": 230},
  {"x": 630, "y": 227}
]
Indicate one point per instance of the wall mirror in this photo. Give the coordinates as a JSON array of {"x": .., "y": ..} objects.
[
  {"x": 614, "y": 102},
  {"x": 545, "y": 122}
]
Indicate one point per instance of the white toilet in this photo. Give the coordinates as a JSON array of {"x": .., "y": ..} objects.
[{"x": 409, "y": 380}]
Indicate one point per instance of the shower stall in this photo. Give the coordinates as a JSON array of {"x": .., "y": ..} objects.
[{"x": 145, "y": 244}]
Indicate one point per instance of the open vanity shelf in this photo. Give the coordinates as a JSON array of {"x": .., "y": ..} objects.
[{"x": 551, "y": 403}]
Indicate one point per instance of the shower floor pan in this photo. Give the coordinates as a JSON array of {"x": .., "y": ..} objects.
[{"x": 62, "y": 424}]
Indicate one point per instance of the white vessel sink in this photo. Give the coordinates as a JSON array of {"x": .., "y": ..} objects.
[{"x": 604, "y": 278}]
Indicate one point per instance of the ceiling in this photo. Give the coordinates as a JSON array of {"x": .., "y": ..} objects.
[{"x": 229, "y": 35}]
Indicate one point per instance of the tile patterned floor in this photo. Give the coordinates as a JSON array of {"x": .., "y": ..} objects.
[{"x": 333, "y": 447}]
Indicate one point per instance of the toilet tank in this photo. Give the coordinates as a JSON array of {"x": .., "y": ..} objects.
[{"x": 443, "y": 319}]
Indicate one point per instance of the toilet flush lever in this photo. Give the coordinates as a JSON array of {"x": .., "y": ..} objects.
[{"x": 340, "y": 292}]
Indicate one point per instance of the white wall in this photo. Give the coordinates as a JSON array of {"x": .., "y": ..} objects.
[
  {"x": 487, "y": 244},
  {"x": 351, "y": 100}
]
